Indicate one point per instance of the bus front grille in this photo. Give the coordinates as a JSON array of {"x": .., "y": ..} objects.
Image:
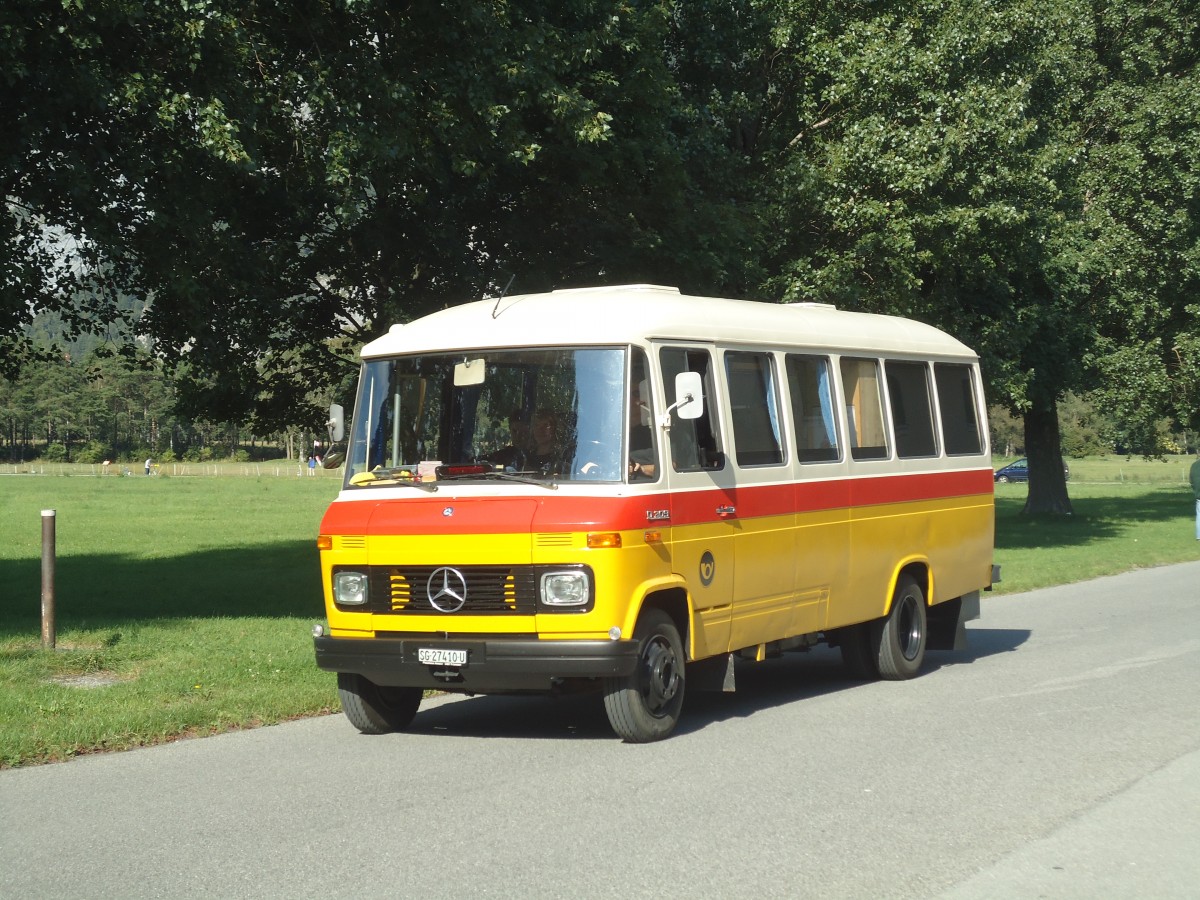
[{"x": 462, "y": 590}]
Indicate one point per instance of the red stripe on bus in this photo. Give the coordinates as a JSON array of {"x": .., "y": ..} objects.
[
  {"x": 924, "y": 486},
  {"x": 509, "y": 515}
]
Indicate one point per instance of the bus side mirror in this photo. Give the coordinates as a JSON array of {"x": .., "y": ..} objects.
[
  {"x": 335, "y": 455},
  {"x": 337, "y": 423},
  {"x": 689, "y": 398},
  {"x": 689, "y": 395}
]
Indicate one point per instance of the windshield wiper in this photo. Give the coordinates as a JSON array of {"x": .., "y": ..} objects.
[{"x": 386, "y": 477}]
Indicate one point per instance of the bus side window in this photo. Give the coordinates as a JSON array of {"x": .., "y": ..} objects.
[
  {"x": 695, "y": 443},
  {"x": 912, "y": 409},
  {"x": 864, "y": 408},
  {"x": 812, "y": 408},
  {"x": 754, "y": 408},
  {"x": 956, "y": 406}
]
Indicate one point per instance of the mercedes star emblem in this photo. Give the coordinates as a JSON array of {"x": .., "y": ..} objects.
[{"x": 447, "y": 589}]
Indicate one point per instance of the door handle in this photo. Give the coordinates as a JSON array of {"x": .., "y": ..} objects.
[{"x": 726, "y": 511}]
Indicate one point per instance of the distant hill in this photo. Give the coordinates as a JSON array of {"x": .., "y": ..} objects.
[{"x": 47, "y": 329}]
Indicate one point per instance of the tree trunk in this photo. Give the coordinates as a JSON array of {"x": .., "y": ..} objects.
[{"x": 1043, "y": 449}]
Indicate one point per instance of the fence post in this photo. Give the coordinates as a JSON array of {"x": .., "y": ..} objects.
[{"x": 48, "y": 553}]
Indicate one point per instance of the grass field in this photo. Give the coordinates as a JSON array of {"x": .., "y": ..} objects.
[
  {"x": 185, "y": 604},
  {"x": 184, "y": 607},
  {"x": 1128, "y": 513}
]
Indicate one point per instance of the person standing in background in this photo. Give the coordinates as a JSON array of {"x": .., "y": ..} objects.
[{"x": 1195, "y": 476}]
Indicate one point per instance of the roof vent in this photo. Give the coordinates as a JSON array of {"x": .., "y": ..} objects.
[{"x": 619, "y": 287}]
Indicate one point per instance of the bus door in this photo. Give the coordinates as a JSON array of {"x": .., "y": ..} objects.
[
  {"x": 763, "y": 505},
  {"x": 822, "y": 498},
  {"x": 703, "y": 508}
]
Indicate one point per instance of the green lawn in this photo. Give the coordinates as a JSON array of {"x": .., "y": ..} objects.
[
  {"x": 188, "y": 601},
  {"x": 1129, "y": 513},
  {"x": 1116, "y": 527},
  {"x": 185, "y": 604}
]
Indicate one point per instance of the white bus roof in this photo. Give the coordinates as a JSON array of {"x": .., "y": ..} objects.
[{"x": 635, "y": 313}]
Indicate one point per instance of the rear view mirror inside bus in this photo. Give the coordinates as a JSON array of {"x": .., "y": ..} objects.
[
  {"x": 689, "y": 395},
  {"x": 469, "y": 372}
]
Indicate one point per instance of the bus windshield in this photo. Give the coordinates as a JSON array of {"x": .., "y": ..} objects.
[{"x": 544, "y": 414}]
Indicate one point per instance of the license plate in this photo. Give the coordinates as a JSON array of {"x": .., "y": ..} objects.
[{"x": 439, "y": 656}]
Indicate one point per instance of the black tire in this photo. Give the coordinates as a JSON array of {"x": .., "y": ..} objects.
[
  {"x": 374, "y": 709},
  {"x": 900, "y": 636},
  {"x": 1003, "y": 479},
  {"x": 645, "y": 706},
  {"x": 858, "y": 652}
]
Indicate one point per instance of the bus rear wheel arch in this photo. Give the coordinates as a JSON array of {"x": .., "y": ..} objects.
[{"x": 375, "y": 709}]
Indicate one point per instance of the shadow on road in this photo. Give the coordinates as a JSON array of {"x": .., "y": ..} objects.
[{"x": 793, "y": 678}]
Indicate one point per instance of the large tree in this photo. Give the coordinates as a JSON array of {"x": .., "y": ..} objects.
[
  {"x": 282, "y": 180},
  {"x": 930, "y": 174},
  {"x": 957, "y": 164},
  {"x": 1141, "y": 209},
  {"x": 272, "y": 176}
]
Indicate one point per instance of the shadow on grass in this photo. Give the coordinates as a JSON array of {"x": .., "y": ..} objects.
[
  {"x": 99, "y": 591},
  {"x": 1095, "y": 519}
]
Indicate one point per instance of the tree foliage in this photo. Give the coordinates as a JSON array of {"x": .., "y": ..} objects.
[
  {"x": 974, "y": 164},
  {"x": 273, "y": 176},
  {"x": 1141, "y": 186},
  {"x": 275, "y": 182},
  {"x": 88, "y": 407}
]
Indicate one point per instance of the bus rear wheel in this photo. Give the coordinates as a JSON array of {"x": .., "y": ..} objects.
[
  {"x": 375, "y": 709},
  {"x": 645, "y": 705},
  {"x": 900, "y": 637}
]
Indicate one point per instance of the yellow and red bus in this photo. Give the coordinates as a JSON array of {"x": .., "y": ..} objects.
[{"x": 627, "y": 489}]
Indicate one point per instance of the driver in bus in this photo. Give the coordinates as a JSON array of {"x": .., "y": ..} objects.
[
  {"x": 518, "y": 432},
  {"x": 544, "y": 451}
]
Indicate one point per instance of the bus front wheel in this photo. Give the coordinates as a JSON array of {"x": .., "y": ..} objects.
[
  {"x": 374, "y": 709},
  {"x": 645, "y": 705},
  {"x": 900, "y": 637}
]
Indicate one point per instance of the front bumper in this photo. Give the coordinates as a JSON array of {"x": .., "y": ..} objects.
[{"x": 493, "y": 664}]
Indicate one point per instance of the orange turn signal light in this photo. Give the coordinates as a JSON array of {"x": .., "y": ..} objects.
[
  {"x": 324, "y": 542},
  {"x": 604, "y": 539}
]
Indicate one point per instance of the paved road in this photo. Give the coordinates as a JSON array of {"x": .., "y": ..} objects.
[{"x": 1059, "y": 757}]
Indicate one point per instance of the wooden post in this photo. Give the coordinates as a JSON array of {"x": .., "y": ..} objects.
[{"x": 48, "y": 552}]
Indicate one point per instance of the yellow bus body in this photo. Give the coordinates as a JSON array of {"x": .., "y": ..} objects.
[{"x": 746, "y": 561}]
